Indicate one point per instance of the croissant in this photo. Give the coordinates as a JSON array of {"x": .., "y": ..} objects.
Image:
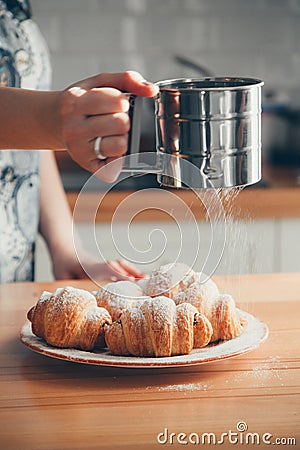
[
  {"x": 158, "y": 328},
  {"x": 225, "y": 318},
  {"x": 208, "y": 287},
  {"x": 220, "y": 309},
  {"x": 168, "y": 280},
  {"x": 201, "y": 295},
  {"x": 69, "y": 318},
  {"x": 119, "y": 295}
]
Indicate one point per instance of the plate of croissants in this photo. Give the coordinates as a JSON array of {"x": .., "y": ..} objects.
[{"x": 175, "y": 317}]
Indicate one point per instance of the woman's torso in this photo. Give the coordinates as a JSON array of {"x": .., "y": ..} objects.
[{"x": 24, "y": 63}]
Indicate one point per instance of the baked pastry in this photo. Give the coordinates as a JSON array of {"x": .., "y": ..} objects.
[
  {"x": 158, "y": 328},
  {"x": 209, "y": 287},
  {"x": 220, "y": 309},
  {"x": 119, "y": 295},
  {"x": 142, "y": 284},
  {"x": 225, "y": 318},
  {"x": 200, "y": 295},
  {"x": 168, "y": 280},
  {"x": 69, "y": 318}
]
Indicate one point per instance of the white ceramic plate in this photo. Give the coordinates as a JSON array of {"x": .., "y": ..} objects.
[{"x": 253, "y": 335}]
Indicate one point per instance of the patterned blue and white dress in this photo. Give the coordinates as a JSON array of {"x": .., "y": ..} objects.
[{"x": 24, "y": 63}]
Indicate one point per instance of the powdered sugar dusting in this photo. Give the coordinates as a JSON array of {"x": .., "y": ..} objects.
[
  {"x": 158, "y": 283},
  {"x": 96, "y": 313},
  {"x": 66, "y": 299},
  {"x": 143, "y": 284},
  {"x": 118, "y": 296},
  {"x": 188, "y": 387},
  {"x": 199, "y": 294},
  {"x": 45, "y": 296},
  {"x": 135, "y": 316},
  {"x": 71, "y": 294},
  {"x": 69, "y": 297},
  {"x": 159, "y": 306},
  {"x": 166, "y": 278},
  {"x": 263, "y": 372}
]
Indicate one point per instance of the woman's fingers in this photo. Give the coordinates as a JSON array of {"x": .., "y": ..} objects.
[
  {"x": 97, "y": 107},
  {"x": 129, "y": 81},
  {"x": 95, "y": 101},
  {"x": 107, "y": 170},
  {"x": 88, "y": 129},
  {"x": 80, "y": 132},
  {"x": 112, "y": 146},
  {"x": 107, "y": 125},
  {"x": 131, "y": 269},
  {"x": 125, "y": 269}
]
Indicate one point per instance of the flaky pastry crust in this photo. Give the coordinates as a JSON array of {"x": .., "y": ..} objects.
[
  {"x": 69, "y": 318},
  {"x": 158, "y": 329}
]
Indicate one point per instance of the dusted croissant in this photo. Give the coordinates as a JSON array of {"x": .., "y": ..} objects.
[
  {"x": 158, "y": 328},
  {"x": 201, "y": 295},
  {"x": 225, "y": 318},
  {"x": 220, "y": 309},
  {"x": 168, "y": 280},
  {"x": 119, "y": 295},
  {"x": 69, "y": 318},
  {"x": 207, "y": 288}
]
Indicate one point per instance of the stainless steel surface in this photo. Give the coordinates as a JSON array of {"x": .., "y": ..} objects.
[{"x": 212, "y": 123}]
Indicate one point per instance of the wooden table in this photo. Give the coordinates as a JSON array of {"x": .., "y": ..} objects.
[{"x": 56, "y": 405}]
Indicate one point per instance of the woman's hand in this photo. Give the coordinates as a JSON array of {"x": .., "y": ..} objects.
[
  {"x": 74, "y": 118},
  {"x": 69, "y": 266},
  {"x": 98, "y": 107}
]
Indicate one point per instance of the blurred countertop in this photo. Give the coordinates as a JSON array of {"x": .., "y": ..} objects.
[{"x": 276, "y": 196}]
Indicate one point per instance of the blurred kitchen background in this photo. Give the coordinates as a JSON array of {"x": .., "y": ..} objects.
[{"x": 191, "y": 38}]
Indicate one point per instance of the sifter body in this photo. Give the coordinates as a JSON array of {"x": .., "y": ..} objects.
[{"x": 208, "y": 132}]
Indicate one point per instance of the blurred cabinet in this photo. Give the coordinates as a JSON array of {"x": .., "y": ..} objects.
[
  {"x": 251, "y": 246},
  {"x": 240, "y": 247},
  {"x": 289, "y": 245}
]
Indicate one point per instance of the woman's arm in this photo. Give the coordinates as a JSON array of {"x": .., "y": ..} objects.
[
  {"x": 56, "y": 228},
  {"x": 30, "y": 119},
  {"x": 72, "y": 119}
]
